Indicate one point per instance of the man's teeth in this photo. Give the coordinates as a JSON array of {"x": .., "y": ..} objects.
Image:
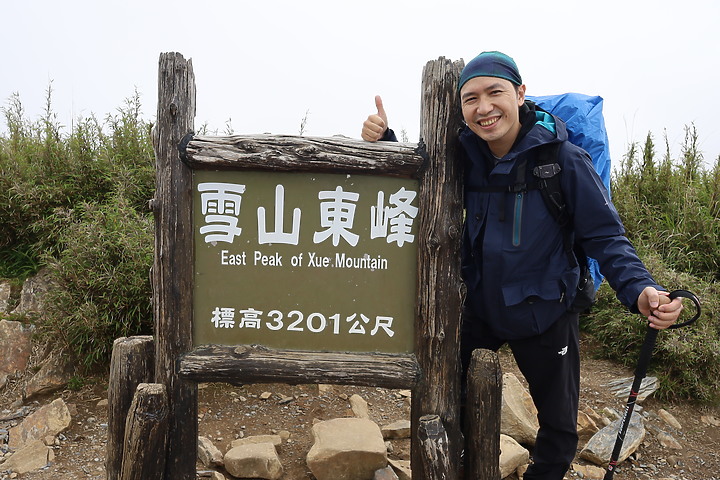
[{"x": 488, "y": 122}]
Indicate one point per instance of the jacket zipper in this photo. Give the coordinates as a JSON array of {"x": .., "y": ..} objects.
[{"x": 517, "y": 219}]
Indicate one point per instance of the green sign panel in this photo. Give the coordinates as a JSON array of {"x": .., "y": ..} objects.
[{"x": 306, "y": 261}]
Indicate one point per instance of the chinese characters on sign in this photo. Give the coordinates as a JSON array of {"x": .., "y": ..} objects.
[
  {"x": 306, "y": 261},
  {"x": 315, "y": 322},
  {"x": 221, "y": 207}
]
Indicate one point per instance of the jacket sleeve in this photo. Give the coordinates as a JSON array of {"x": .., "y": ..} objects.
[
  {"x": 389, "y": 136},
  {"x": 599, "y": 229}
]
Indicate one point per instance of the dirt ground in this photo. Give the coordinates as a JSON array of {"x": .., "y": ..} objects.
[{"x": 228, "y": 412}]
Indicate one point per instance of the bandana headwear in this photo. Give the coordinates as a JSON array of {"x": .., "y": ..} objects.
[{"x": 491, "y": 64}]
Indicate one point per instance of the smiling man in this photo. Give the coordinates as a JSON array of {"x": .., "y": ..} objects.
[
  {"x": 522, "y": 280},
  {"x": 491, "y": 109}
]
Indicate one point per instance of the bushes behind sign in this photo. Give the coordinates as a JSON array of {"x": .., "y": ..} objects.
[{"x": 77, "y": 203}]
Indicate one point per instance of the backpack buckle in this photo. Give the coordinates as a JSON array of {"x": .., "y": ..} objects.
[{"x": 546, "y": 171}]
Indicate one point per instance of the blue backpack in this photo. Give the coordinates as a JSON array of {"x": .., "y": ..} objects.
[{"x": 583, "y": 117}]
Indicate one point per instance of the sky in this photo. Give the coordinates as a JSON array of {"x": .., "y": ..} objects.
[{"x": 263, "y": 66}]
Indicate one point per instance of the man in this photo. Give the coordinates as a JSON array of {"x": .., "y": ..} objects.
[{"x": 520, "y": 281}]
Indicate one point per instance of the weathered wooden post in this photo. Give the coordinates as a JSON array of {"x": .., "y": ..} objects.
[
  {"x": 146, "y": 434},
  {"x": 482, "y": 412},
  {"x": 132, "y": 363},
  {"x": 172, "y": 278},
  {"x": 439, "y": 302},
  {"x": 434, "y": 445}
]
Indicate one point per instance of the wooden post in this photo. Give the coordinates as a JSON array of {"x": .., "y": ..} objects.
[
  {"x": 132, "y": 363},
  {"x": 146, "y": 434},
  {"x": 441, "y": 291},
  {"x": 172, "y": 269},
  {"x": 434, "y": 446},
  {"x": 482, "y": 411}
]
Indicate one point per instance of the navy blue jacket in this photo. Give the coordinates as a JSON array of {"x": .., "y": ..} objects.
[{"x": 518, "y": 276}]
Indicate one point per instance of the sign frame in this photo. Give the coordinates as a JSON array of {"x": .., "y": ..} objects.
[
  {"x": 273, "y": 153},
  {"x": 432, "y": 371}
]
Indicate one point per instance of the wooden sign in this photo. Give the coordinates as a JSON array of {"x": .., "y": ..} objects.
[
  {"x": 224, "y": 168},
  {"x": 305, "y": 261}
]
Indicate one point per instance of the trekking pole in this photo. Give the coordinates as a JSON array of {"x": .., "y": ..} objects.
[{"x": 640, "y": 371}]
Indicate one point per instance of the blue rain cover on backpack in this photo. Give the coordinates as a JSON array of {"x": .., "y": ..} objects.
[{"x": 586, "y": 128}]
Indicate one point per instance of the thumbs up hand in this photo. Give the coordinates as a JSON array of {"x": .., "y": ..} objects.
[{"x": 376, "y": 124}]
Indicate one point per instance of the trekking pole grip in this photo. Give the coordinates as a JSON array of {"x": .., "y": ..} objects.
[{"x": 686, "y": 294}]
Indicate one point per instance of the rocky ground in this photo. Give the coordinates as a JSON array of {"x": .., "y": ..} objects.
[{"x": 228, "y": 412}]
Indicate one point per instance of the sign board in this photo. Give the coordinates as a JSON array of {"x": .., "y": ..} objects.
[{"x": 307, "y": 261}]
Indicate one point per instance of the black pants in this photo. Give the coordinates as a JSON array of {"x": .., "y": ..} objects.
[{"x": 550, "y": 362}]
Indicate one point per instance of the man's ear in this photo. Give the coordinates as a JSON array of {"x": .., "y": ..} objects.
[{"x": 521, "y": 94}]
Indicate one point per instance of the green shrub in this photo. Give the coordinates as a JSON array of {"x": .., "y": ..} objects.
[
  {"x": 685, "y": 360},
  {"x": 46, "y": 175},
  {"x": 672, "y": 207},
  {"x": 101, "y": 280},
  {"x": 78, "y": 204}
]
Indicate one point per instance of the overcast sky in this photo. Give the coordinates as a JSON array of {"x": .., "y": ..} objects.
[{"x": 265, "y": 63}]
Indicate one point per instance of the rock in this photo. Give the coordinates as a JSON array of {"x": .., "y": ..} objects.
[
  {"x": 32, "y": 456},
  {"x": 518, "y": 413},
  {"x": 611, "y": 413},
  {"x": 599, "y": 449},
  {"x": 710, "y": 420},
  {"x": 346, "y": 449},
  {"x": 586, "y": 426},
  {"x": 512, "y": 455},
  {"x": 589, "y": 472},
  {"x": 621, "y": 387},
  {"x": 399, "y": 429},
  {"x": 285, "y": 400},
  {"x": 15, "y": 349},
  {"x": 32, "y": 296},
  {"x": 593, "y": 415},
  {"x": 208, "y": 453},
  {"x": 386, "y": 473},
  {"x": 668, "y": 441},
  {"x": 669, "y": 419},
  {"x": 5, "y": 291},
  {"x": 211, "y": 474},
  {"x": 274, "y": 440},
  {"x": 359, "y": 406},
  {"x": 54, "y": 374},
  {"x": 48, "y": 420},
  {"x": 401, "y": 468},
  {"x": 259, "y": 460}
]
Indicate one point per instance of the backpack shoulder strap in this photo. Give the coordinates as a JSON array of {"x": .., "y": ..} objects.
[{"x": 547, "y": 171}]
